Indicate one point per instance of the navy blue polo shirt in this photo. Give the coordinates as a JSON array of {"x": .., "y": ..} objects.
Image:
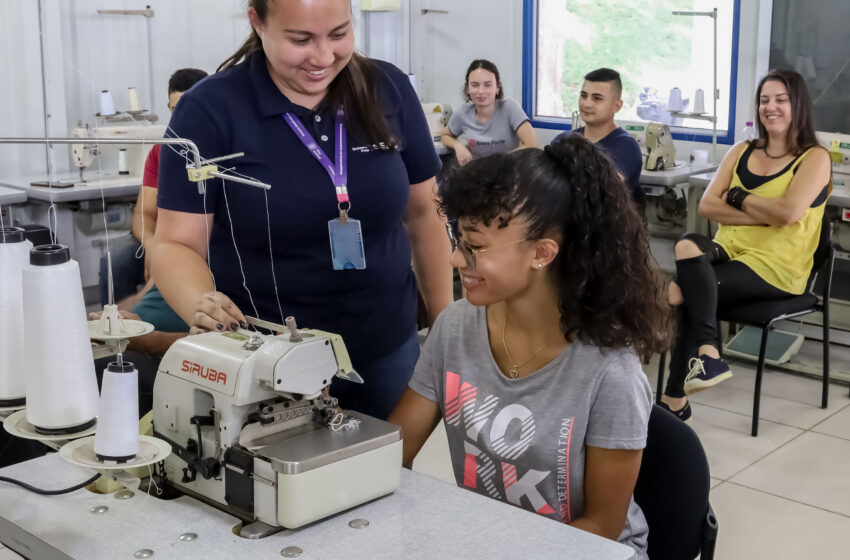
[
  {"x": 625, "y": 152},
  {"x": 241, "y": 110}
]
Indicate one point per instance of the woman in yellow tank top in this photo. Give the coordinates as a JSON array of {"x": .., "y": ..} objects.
[{"x": 768, "y": 197}]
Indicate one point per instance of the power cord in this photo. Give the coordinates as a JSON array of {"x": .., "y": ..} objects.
[{"x": 49, "y": 492}]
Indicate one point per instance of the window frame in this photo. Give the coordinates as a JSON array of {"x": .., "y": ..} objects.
[{"x": 529, "y": 82}]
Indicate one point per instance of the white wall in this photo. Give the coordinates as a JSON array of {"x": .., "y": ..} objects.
[{"x": 86, "y": 52}]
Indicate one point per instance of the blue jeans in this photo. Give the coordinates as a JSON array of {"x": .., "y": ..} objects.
[
  {"x": 128, "y": 272},
  {"x": 386, "y": 378}
]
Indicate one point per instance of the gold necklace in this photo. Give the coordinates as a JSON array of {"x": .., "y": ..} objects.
[{"x": 514, "y": 371}]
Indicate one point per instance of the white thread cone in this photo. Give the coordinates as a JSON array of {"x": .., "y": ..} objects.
[
  {"x": 107, "y": 106},
  {"x": 61, "y": 381},
  {"x": 117, "y": 436},
  {"x": 14, "y": 255},
  {"x": 133, "y": 103}
]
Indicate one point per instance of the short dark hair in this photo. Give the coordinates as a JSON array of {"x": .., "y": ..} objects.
[
  {"x": 609, "y": 290},
  {"x": 183, "y": 79},
  {"x": 606, "y": 75},
  {"x": 482, "y": 64},
  {"x": 801, "y": 133}
]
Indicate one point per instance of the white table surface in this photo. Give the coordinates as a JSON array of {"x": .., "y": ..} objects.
[
  {"x": 674, "y": 175},
  {"x": 424, "y": 518},
  {"x": 12, "y": 196},
  {"x": 112, "y": 186}
]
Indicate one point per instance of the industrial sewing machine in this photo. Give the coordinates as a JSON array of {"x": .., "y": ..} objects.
[
  {"x": 253, "y": 434},
  {"x": 659, "y": 143},
  {"x": 437, "y": 115},
  {"x": 122, "y": 161}
]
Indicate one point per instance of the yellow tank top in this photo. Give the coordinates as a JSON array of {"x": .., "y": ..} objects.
[{"x": 782, "y": 256}]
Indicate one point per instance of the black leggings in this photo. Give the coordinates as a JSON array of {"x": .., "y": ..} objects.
[{"x": 709, "y": 282}]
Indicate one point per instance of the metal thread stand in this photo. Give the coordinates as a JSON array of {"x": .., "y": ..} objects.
[{"x": 715, "y": 94}]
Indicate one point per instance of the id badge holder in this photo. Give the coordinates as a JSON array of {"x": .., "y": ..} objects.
[{"x": 346, "y": 238}]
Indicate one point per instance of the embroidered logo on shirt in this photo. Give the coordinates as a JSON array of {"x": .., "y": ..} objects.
[{"x": 380, "y": 147}]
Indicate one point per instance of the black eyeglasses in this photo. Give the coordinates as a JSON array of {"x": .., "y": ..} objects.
[{"x": 469, "y": 254}]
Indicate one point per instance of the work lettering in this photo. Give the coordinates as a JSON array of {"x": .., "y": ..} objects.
[{"x": 511, "y": 431}]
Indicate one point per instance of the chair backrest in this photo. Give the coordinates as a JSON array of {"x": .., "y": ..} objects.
[
  {"x": 672, "y": 488},
  {"x": 821, "y": 255}
]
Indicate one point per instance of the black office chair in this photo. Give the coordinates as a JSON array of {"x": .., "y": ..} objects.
[
  {"x": 672, "y": 490},
  {"x": 765, "y": 314}
]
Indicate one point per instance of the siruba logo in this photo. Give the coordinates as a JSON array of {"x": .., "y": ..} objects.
[{"x": 205, "y": 373}]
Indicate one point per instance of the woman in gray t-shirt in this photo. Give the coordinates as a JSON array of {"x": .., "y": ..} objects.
[
  {"x": 488, "y": 123},
  {"x": 536, "y": 374}
]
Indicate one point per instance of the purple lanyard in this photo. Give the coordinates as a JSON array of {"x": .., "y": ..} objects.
[{"x": 338, "y": 171}]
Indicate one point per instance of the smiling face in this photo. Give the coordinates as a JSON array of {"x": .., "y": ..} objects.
[
  {"x": 307, "y": 43},
  {"x": 598, "y": 102},
  {"x": 495, "y": 263},
  {"x": 482, "y": 87},
  {"x": 775, "y": 108}
]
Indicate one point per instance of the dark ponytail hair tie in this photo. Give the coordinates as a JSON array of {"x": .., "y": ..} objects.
[{"x": 559, "y": 159}]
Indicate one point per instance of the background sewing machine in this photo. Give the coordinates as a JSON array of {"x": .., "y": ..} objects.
[
  {"x": 114, "y": 168},
  {"x": 81, "y": 218},
  {"x": 437, "y": 115},
  {"x": 671, "y": 201},
  {"x": 253, "y": 435}
]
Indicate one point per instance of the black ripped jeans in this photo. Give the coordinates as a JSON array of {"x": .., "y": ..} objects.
[{"x": 708, "y": 283}]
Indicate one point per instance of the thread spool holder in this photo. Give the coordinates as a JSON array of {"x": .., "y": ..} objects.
[{"x": 112, "y": 333}]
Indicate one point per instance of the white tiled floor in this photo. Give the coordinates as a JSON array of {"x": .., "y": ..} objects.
[{"x": 782, "y": 495}]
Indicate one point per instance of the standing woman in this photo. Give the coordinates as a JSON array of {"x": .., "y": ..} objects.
[
  {"x": 296, "y": 84},
  {"x": 769, "y": 197},
  {"x": 489, "y": 123}
]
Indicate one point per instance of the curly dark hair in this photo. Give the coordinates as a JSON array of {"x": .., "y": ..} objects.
[{"x": 610, "y": 292}]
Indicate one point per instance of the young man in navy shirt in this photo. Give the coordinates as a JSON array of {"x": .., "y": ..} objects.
[{"x": 599, "y": 102}]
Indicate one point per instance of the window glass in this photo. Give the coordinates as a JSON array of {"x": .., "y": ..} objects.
[{"x": 653, "y": 50}]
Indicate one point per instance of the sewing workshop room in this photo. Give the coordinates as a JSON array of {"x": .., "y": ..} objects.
[{"x": 424, "y": 279}]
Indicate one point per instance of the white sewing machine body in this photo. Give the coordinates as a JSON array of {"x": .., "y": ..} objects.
[
  {"x": 437, "y": 115},
  {"x": 659, "y": 143},
  {"x": 83, "y": 155},
  {"x": 251, "y": 431}
]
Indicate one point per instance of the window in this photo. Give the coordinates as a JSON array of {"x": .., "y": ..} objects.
[
  {"x": 812, "y": 39},
  {"x": 653, "y": 49}
]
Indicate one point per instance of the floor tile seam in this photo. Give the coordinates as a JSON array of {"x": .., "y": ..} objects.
[
  {"x": 766, "y": 455},
  {"x": 831, "y": 415},
  {"x": 842, "y": 438},
  {"x": 761, "y": 418},
  {"x": 786, "y": 498}
]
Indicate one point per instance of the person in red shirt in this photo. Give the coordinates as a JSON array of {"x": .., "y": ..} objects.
[{"x": 148, "y": 304}]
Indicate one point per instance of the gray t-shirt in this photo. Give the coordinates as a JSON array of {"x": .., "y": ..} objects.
[
  {"x": 522, "y": 441},
  {"x": 496, "y": 136}
]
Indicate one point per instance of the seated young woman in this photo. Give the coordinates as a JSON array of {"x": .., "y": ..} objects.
[
  {"x": 769, "y": 197},
  {"x": 536, "y": 374}
]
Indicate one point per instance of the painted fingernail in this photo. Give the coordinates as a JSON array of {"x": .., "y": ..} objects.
[
  {"x": 243, "y": 324},
  {"x": 220, "y": 327},
  {"x": 234, "y": 326}
]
